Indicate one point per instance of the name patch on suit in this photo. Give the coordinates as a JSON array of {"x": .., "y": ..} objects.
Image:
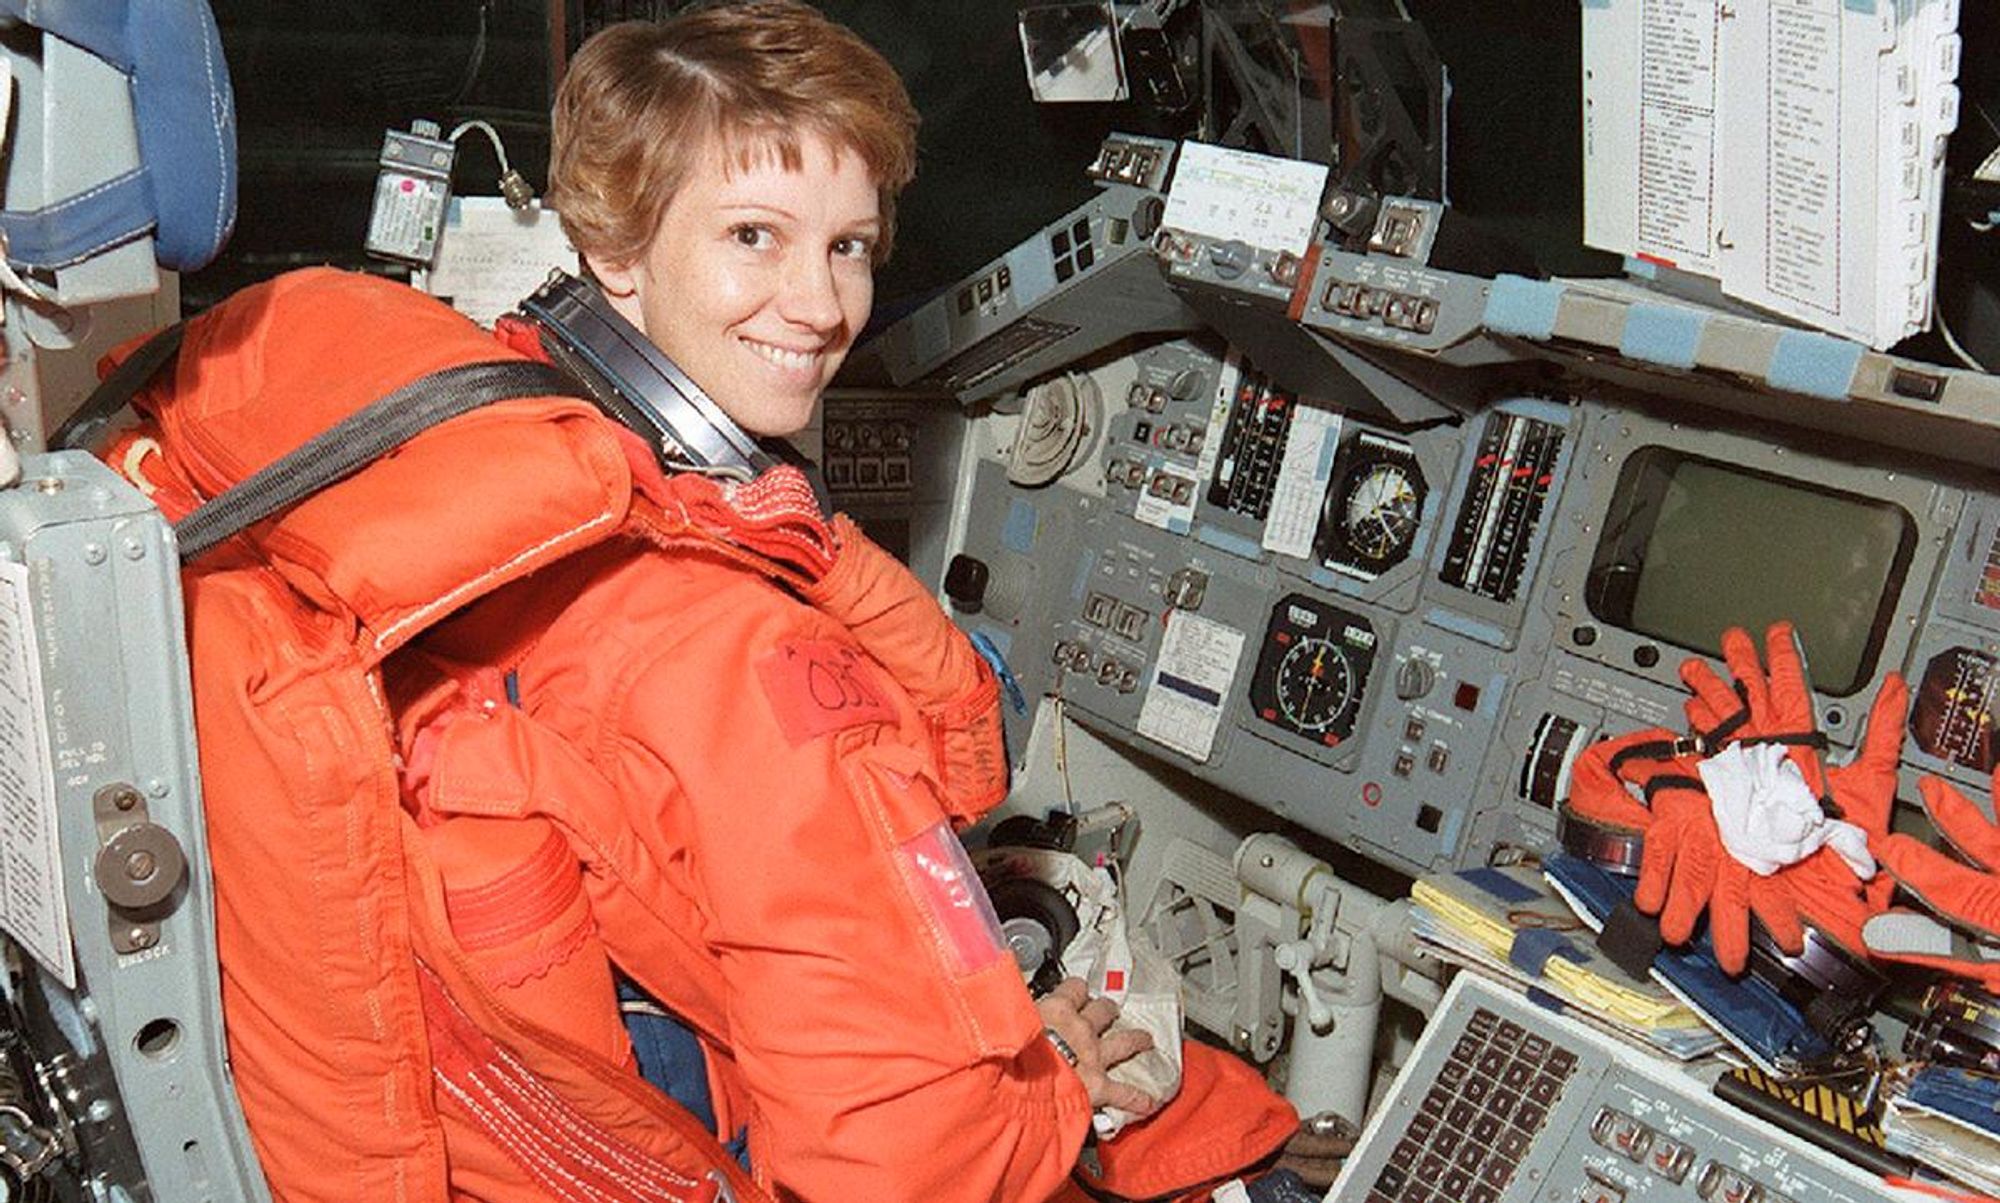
[{"x": 817, "y": 687}]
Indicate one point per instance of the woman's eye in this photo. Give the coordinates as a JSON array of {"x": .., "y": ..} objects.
[
  {"x": 754, "y": 237},
  {"x": 854, "y": 248}
]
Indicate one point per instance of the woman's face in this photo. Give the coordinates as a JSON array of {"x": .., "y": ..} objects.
[{"x": 758, "y": 278}]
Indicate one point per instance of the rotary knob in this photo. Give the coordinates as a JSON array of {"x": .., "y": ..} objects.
[{"x": 1414, "y": 679}]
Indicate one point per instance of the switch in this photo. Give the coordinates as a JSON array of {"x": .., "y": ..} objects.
[
  {"x": 1405, "y": 764},
  {"x": 1413, "y": 730},
  {"x": 1414, "y": 679},
  {"x": 1622, "y": 1134},
  {"x": 1440, "y": 756},
  {"x": 1670, "y": 1159},
  {"x": 965, "y": 582}
]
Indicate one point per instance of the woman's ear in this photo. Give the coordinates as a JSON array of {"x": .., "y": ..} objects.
[{"x": 620, "y": 284}]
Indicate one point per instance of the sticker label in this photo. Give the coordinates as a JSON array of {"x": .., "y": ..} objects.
[
  {"x": 33, "y": 908},
  {"x": 817, "y": 687},
  {"x": 1191, "y": 684},
  {"x": 949, "y": 891}
]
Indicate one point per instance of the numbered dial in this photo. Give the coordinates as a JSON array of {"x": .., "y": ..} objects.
[
  {"x": 1375, "y": 508},
  {"x": 1313, "y": 670},
  {"x": 1314, "y": 685}
]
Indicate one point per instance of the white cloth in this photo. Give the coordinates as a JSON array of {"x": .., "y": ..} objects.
[
  {"x": 1767, "y": 815},
  {"x": 1114, "y": 966}
]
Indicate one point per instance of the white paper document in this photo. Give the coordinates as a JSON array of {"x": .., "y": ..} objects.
[
  {"x": 1303, "y": 475},
  {"x": 1262, "y": 200},
  {"x": 33, "y": 907},
  {"x": 492, "y": 256},
  {"x": 1791, "y": 149},
  {"x": 1191, "y": 684}
]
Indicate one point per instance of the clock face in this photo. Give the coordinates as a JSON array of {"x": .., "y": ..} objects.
[
  {"x": 1313, "y": 685},
  {"x": 1312, "y": 672},
  {"x": 1374, "y": 510}
]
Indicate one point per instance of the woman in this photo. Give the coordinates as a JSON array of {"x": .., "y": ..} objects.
[
  {"x": 510, "y": 710},
  {"x": 729, "y": 178}
]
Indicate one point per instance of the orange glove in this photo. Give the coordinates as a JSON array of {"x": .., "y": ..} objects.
[
  {"x": 1966, "y": 895},
  {"x": 1683, "y": 868},
  {"x": 1775, "y": 705}
]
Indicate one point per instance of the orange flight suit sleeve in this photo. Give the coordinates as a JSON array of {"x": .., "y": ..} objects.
[{"x": 878, "y": 1025}]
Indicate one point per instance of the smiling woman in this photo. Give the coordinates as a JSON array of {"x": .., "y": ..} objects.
[
  {"x": 835, "y": 1000},
  {"x": 730, "y": 178},
  {"x": 757, "y": 278}
]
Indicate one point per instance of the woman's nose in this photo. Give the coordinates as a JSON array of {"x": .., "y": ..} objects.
[{"x": 811, "y": 293}]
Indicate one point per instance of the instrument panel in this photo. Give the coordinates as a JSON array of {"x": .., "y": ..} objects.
[{"x": 1401, "y": 637}]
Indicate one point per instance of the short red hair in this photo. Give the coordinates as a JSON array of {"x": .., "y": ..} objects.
[{"x": 642, "y": 99}]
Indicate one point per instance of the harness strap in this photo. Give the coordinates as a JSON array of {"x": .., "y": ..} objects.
[{"x": 362, "y": 438}]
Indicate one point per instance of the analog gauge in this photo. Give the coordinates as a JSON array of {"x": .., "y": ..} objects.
[
  {"x": 1955, "y": 707},
  {"x": 1313, "y": 685},
  {"x": 1312, "y": 673},
  {"x": 1373, "y": 512}
]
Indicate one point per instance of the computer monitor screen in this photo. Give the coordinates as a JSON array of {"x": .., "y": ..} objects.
[{"x": 1693, "y": 546}]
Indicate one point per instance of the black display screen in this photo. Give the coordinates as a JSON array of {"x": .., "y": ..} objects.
[{"x": 1693, "y": 546}]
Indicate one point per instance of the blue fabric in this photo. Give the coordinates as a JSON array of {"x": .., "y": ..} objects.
[
  {"x": 182, "y": 104},
  {"x": 1817, "y": 365},
  {"x": 77, "y": 227},
  {"x": 1961, "y": 1094},
  {"x": 1746, "y": 1010},
  {"x": 1664, "y": 334},
  {"x": 1520, "y": 306},
  {"x": 1501, "y": 886},
  {"x": 997, "y": 661},
  {"x": 1533, "y": 947},
  {"x": 671, "y": 1058}
]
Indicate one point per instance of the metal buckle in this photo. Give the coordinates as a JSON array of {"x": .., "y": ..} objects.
[{"x": 1690, "y": 745}]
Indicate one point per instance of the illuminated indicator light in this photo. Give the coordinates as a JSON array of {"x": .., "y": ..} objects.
[
  {"x": 1330, "y": 740},
  {"x": 1269, "y": 714}
]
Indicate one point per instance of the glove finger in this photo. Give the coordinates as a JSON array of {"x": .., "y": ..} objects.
[
  {"x": 1964, "y": 895},
  {"x": 1778, "y": 908},
  {"x": 1959, "y": 819},
  {"x": 1882, "y": 740},
  {"x": 1729, "y": 918},
  {"x": 1788, "y": 683},
  {"x": 1713, "y": 699},
  {"x": 1656, "y": 869},
  {"x": 1688, "y": 895},
  {"x": 1788, "y": 703},
  {"x": 1865, "y": 788},
  {"x": 1985, "y": 973},
  {"x": 1739, "y": 654}
]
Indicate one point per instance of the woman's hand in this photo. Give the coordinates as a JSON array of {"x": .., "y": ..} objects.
[{"x": 1081, "y": 1025}]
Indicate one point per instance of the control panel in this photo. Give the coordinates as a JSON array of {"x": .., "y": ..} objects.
[
  {"x": 1402, "y": 637},
  {"x": 1506, "y": 1102}
]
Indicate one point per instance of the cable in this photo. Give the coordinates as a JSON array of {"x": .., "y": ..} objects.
[
  {"x": 513, "y": 187},
  {"x": 492, "y": 135},
  {"x": 1062, "y": 754},
  {"x": 476, "y": 59},
  {"x": 1965, "y": 357}
]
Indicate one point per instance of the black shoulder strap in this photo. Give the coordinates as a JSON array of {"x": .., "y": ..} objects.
[
  {"x": 334, "y": 454},
  {"x": 364, "y": 437},
  {"x": 86, "y": 426}
]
